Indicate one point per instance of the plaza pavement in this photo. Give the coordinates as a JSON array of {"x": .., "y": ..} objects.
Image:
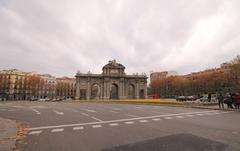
[{"x": 108, "y": 126}]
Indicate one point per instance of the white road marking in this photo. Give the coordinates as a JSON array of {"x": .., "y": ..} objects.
[
  {"x": 130, "y": 115},
  {"x": 227, "y": 112},
  {"x": 36, "y": 111},
  {"x": 85, "y": 114},
  {"x": 199, "y": 114},
  {"x": 96, "y": 126},
  {"x": 130, "y": 122},
  {"x": 168, "y": 118},
  {"x": 114, "y": 111},
  {"x": 78, "y": 128},
  {"x": 91, "y": 111},
  {"x": 180, "y": 116},
  {"x": 58, "y": 113},
  {"x": 118, "y": 109},
  {"x": 57, "y": 130},
  {"x": 99, "y": 120},
  {"x": 11, "y": 110},
  {"x": 190, "y": 115},
  {"x": 143, "y": 121},
  {"x": 113, "y": 121},
  {"x": 113, "y": 124},
  {"x": 34, "y": 132},
  {"x": 156, "y": 119}
]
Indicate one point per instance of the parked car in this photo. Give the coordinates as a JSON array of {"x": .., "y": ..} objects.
[
  {"x": 191, "y": 98},
  {"x": 181, "y": 98},
  {"x": 205, "y": 98},
  {"x": 33, "y": 99},
  {"x": 41, "y": 100}
]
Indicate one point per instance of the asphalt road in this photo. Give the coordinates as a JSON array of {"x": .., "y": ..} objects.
[{"x": 123, "y": 127}]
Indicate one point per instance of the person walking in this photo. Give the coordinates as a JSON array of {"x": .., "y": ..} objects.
[
  {"x": 220, "y": 101},
  {"x": 209, "y": 97}
]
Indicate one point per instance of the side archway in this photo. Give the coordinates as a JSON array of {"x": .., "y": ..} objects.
[
  {"x": 114, "y": 91},
  {"x": 131, "y": 91},
  {"x": 95, "y": 91}
]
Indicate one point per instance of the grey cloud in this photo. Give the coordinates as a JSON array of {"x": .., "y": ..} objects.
[{"x": 63, "y": 37}]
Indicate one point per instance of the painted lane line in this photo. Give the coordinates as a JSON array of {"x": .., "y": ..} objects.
[
  {"x": 143, "y": 121},
  {"x": 227, "y": 112},
  {"x": 118, "y": 109},
  {"x": 168, "y": 118},
  {"x": 199, "y": 114},
  {"x": 58, "y": 113},
  {"x": 190, "y": 115},
  {"x": 130, "y": 115},
  {"x": 57, "y": 130},
  {"x": 78, "y": 128},
  {"x": 130, "y": 122},
  {"x": 113, "y": 124},
  {"x": 93, "y": 111},
  {"x": 113, "y": 121},
  {"x": 156, "y": 119},
  {"x": 179, "y": 116},
  {"x": 99, "y": 120},
  {"x": 96, "y": 126},
  {"x": 114, "y": 111},
  {"x": 34, "y": 132},
  {"x": 84, "y": 114},
  {"x": 36, "y": 111}
]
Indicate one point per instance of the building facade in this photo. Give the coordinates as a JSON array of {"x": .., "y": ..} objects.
[
  {"x": 46, "y": 87},
  {"x": 161, "y": 75},
  {"x": 65, "y": 87},
  {"x": 113, "y": 83},
  {"x": 16, "y": 84}
]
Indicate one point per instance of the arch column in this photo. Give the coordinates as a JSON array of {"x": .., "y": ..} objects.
[
  {"x": 137, "y": 90},
  {"x": 78, "y": 89},
  {"x": 88, "y": 90}
]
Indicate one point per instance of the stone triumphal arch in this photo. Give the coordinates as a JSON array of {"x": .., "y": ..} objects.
[{"x": 113, "y": 83}]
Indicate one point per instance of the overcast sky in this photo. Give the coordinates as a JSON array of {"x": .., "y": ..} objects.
[{"x": 62, "y": 36}]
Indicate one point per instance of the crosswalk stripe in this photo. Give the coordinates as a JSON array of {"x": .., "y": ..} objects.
[
  {"x": 78, "y": 128},
  {"x": 114, "y": 124},
  {"x": 34, "y": 132},
  {"x": 57, "y": 130},
  {"x": 96, "y": 126},
  {"x": 130, "y": 122}
]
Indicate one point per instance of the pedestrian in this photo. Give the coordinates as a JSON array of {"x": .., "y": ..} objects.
[
  {"x": 236, "y": 101},
  {"x": 220, "y": 101},
  {"x": 209, "y": 97}
]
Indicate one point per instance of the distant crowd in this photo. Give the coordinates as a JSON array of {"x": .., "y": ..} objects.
[{"x": 232, "y": 100}]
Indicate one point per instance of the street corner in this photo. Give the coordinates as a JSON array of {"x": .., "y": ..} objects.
[{"x": 8, "y": 129}]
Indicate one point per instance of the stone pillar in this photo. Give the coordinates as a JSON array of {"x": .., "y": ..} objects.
[
  {"x": 77, "y": 89},
  {"x": 137, "y": 90},
  {"x": 88, "y": 90},
  {"x": 121, "y": 91},
  {"x": 108, "y": 90},
  {"x": 102, "y": 91},
  {"x": 145, "y": 89}
]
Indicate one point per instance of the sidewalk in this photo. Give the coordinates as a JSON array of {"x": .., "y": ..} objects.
[
  {"x": 8, "y": 132},
  {"x": 212, "y": 107}
]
